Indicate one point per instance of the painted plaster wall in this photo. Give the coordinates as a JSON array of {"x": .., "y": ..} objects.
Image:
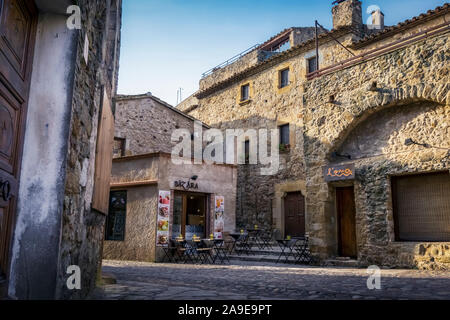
[
  {"x": 140, "y": 227},
  {"x": 218, "y": 180},
  {"x": 56, "y": 227},
  {"x": 37, "y": 234}
]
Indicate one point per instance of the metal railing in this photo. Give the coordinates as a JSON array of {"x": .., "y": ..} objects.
[{"x": 229, "y": 61}]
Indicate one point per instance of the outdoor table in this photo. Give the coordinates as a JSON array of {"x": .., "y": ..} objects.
[
  {"x": 218, "y": 245},
  {"x": 286, "y": 245},
  {"x": 255, "y": 235},
  {"x": 240, "y": 240}
]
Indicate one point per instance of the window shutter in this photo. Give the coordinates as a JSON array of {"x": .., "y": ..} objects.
[
  {"x": 103, "y": 157},
  {"x": 422, "y": 207}
]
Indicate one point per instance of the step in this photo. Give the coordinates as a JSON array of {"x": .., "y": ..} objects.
[
  {"x": 261, "y": 258},
  {"x": 339, "y": 262}
]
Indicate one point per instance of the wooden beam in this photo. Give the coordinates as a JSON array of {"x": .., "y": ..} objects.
[{"x": 132, "y": 184}]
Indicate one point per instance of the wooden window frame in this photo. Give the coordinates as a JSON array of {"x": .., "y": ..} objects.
[
  {"x": 184, "y": 195},
  {"x": 109, "y": 216}
]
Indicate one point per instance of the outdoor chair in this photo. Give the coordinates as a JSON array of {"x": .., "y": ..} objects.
[
  {"x": 301, "y": 251},
  {"x": 267, "y": 239},
  {"x": 170, "y": 252},
  {"x": 199, "y": 252},
  {"x": 242, "y": 245},
  {"x": 287, "y": 249}
]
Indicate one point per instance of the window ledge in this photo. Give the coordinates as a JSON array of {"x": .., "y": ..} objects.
[{"x": 244, "y": 102}]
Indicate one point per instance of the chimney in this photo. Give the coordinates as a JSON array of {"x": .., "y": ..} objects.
[
  {"x": 347, "y": 13},
  {"x": 377, "y": 20}
]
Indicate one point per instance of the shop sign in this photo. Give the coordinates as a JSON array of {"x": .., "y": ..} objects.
[
  {"x": 186, "y": 185},
  {"x": 339, "y": 173}
]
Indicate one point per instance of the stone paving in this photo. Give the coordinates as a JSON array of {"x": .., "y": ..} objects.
[{"x": 262, "y": 281}]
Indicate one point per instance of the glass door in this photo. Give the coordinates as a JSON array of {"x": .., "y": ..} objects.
[{"x": 189, "y": 215}]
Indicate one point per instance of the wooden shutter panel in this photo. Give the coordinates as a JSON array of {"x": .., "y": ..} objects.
[
  {"x": 422, "y": 207},
  {"x": 103, "y": 158}
]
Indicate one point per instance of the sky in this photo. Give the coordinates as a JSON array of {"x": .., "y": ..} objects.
[{"x": 168, "y": 44}]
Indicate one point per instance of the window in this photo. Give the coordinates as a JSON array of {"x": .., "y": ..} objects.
[
  {"x": 115, "y": 222},
  {"x": 312, "y": 64},
  {"x": 245, "y": 92},
  {"x": 284, "y": 78},
  {"x": 119, "y": 147},
  {"x": 421, "y": 205},
  {"x": 284, "y": 135},
  {"x": 247, "y": 151}
]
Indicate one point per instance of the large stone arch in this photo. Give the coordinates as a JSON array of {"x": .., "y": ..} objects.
[{"x": 384, "y": 99}]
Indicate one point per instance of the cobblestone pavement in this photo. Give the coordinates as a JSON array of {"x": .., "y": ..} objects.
[{"x": 244, "y": 280}]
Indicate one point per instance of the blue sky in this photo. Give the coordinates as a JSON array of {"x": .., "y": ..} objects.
[{"x": 168, "y": 44}]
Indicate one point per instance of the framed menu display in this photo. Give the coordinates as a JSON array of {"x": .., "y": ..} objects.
[
  {"x": 219, "y": 209},
  {"x": 162, "y": 228}
]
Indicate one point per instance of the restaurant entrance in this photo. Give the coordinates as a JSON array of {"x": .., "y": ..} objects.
[{"x": 190, "y": 212}]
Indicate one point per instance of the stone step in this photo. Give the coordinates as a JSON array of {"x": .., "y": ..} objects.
[
  {"x": 341, "y": 262},
  {"x": 261, "y": 258}
]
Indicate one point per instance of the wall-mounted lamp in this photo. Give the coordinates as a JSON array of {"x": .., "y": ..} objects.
[
  {"x": 410, "y": 141},
  {"x": 194, "y": 178},
  {"x": 338, "y": 155}
]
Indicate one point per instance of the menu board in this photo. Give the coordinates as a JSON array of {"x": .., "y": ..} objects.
[
  {"x": 162, "y": 231},
  {"x": 219, "y": 209}
]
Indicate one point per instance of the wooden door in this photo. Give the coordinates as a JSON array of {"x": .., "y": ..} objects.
[
  {"x": 345, "y": 201},
  {"x": 294, "y": 214},
  {"x": 18, "y": 20}
]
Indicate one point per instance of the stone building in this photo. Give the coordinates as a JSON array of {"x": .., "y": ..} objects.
[
  {"x": 354, "y": 124},
  {"x": 56, "y": 90},
  {"x": 154, "y": 199}
]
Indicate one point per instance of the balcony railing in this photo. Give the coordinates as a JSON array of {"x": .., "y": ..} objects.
[{"x": 229, "y": 61}]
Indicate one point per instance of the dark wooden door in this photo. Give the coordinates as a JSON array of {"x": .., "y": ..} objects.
[
  {"x": 345, "y": 201},
  {"x": 294, "y": 214},
  {"x": 18, "y": 20}
]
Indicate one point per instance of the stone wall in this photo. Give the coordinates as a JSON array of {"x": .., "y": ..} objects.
[
  {"x": 260, "y": 198},
  {"x": 82, "y": 227},
  {"x": 411, "y": 100},
  {"x": 147, "y": 124},
  {"x": 347, "y": 13},
  {"x": 270, "y": 106}
]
